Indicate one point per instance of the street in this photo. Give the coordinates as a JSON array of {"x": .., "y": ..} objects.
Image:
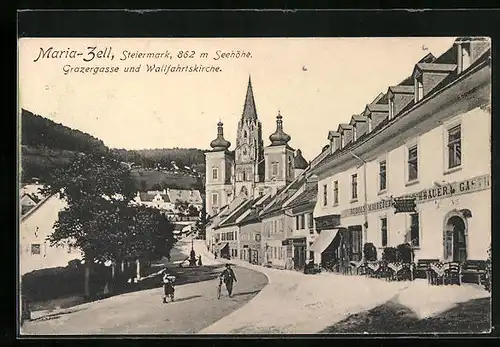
[{"x": 142, "y": 312}]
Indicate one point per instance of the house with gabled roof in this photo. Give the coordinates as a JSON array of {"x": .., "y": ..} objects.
[{"x": 419, "y": 142}]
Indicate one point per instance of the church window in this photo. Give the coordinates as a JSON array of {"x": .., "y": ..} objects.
[
  {"x": 274, "y": 167},
  {"x": 244, "y": 176},
  {"x": 215, "y": 173},
  {"x": 244, "y": 151},
  {"x": 215, "y": 199},
  {"x": 245, "y": 135}
]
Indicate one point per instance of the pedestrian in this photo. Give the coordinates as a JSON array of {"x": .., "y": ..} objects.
[
  {"x": 168, "y": 287},
  {"x": 199, "y": 260},
  {"x": 229, "y": 278}
]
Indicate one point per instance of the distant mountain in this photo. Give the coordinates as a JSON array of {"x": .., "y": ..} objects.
[{"x": 47, "y": 145}]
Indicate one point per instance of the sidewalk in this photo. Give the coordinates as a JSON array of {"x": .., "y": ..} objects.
[{"x": 295, "y": 303}]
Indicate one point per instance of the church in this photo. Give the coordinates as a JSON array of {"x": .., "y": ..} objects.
[{"x": 251, "y": 169}]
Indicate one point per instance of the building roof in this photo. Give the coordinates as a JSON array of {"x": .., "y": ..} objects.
[
  {"x": 237, "y": 214},
  {"x": 149, "y": 196},
  {"x": 299, "y": 162},
  {"x": 249, "y": 109},
  {"x": 191, "y": 196},
  {"x": 358, "y": 118},
  {"x": 377, "y": 107},
  {"x": 436, "y": 67},
  {"x": 400, "y": 89},
  {"x": 309, "y": 195}
]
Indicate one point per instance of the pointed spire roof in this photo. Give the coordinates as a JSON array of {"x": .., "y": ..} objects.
[{"x": 249, "y": 110}]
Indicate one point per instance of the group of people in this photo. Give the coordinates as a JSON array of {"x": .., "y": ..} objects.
[{"x": 227, "y": 277}]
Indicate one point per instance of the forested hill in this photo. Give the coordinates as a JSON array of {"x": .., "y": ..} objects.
[
  {"x": 164, "y": 157},
  {"x": 40, "y": 132}
]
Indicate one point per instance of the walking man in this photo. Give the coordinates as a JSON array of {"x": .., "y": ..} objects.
[{"x": 229, "y": 278}]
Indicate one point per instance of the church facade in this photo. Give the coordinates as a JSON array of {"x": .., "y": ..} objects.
[{"x": 251, "y": 169}]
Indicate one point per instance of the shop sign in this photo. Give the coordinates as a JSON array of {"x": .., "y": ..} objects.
[
  {"x": 404, "y": 205},
  {"x": 327, "y": 222},
  {"x": 452, "y": 189}
]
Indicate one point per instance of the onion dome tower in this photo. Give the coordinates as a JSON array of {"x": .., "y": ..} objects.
[
  {"x": 279, "y": 137},
  {"x": 220, "y": 143}
]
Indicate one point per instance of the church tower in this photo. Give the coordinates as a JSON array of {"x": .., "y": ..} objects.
[
  {"x": 280, "y": 168},
  {"x": 218, "y": 172},
  {"x": 249, "y": 151}
]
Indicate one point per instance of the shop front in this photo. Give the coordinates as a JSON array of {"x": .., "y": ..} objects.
[
  {"x": 295, "y": 252},
  {"x": 326, "y": 245}
]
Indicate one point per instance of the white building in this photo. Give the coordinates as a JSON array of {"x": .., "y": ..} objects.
[
  {"x": 428, "y": 138},
  {"x": 156, "y": 199},
  {"x": 35, "y": 252}
]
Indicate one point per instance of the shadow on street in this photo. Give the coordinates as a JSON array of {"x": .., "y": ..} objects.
[{"x": 472, "y": 316}]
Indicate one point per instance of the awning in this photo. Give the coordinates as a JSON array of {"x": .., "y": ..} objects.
[{"x": 324, "y": 240}]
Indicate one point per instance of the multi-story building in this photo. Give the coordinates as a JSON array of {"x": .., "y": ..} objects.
[
  {"x": 427, "y": 139},
  {"x": 251, "y": 169}
]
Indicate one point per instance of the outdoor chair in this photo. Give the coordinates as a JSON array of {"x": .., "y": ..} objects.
[
  {"x": 475, "y": 269},
  {"x": 422, "y": 269},
  {"x": 452, "y": 274}
]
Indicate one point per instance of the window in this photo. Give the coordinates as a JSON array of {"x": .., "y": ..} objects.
[
  {"x": 245, "y": 134},
  {"x": 235, "y": 252},
  {"x": 391, "y": 108},
  {"x": 412, "y": 163},
  {"x": 369, "y": 123},
  {"x": 244, "y": 151},
  {"x": 290, "y": 165},
  {"x": 215, "y": 174},
  {"x": 35, "y": 248},
  {"x": 419, "y": 89},
  {"x": 454, "y": 147},
  {"x": 342, "y": 140},
  {"x": 354, "y": 133},
  {"x": 310, "y": 221},
  {"x": 383, "y": 175},
  {"x": 465, "y": 53},
  {"x": 274, "y": 169},
  {"x": 302, "y": 221},
  {"x": 244, "y": 176},
  {"x": 383, "y": 230},
  {"x": 354, "y": 186},
  {"x": 215, "y": 199},
  {"x": 325, "y": 195},
  {"x": 336, "y": 192},
  {"x": 261, "y": 193},
  {"x": 415, "y": 230},
  {"x": 297, "y": 223}
]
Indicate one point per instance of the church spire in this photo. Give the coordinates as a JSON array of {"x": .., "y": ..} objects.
[{"x": 249, "y": 110}]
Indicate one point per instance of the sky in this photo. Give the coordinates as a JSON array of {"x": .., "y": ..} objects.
[{"x": 315, "y": 83}]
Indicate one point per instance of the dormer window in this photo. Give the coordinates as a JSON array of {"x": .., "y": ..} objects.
[
  {"x": 419, "y": 88},
  {"x": 465, "y": 55},
  {"x": 354, "y": 133},
  {"x": 391, "y": 107},
  {"x": 369, "y": 123}
]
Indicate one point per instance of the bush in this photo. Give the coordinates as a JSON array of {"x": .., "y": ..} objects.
[
  {"x": 370, "y": 252},
  {"x": 404, "y": 253},
  {"x": 53, "y": 283},
  {"x": 390, "y": 255}
]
